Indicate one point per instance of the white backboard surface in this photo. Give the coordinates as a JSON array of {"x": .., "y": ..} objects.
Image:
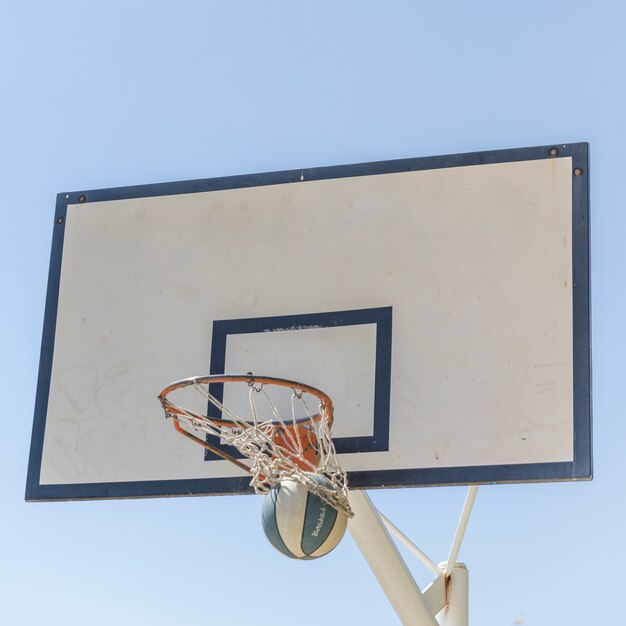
[{"x": 443, "y": 303}]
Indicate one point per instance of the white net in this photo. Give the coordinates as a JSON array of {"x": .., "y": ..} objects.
[{"x": 283, "y": 427}]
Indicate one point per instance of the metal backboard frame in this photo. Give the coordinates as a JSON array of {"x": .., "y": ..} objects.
[{"x": 371, "y": 326}]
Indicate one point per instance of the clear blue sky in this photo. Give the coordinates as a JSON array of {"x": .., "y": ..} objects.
[{"x": 110, "y": 93}]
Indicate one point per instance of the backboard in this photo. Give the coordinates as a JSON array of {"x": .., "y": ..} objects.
[{"x": 443, "y": 304}]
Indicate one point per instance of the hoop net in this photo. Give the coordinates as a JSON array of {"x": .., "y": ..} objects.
[{"x": 281, "y": 426}]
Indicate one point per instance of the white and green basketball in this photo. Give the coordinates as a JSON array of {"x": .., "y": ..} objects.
[{"x": 299, "y": 523}]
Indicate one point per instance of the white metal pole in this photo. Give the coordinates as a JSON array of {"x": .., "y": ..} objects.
[
  {"x": 456, "y": 610},
  {"x": 381, "y": 554},
  {"x": 409, "y": 545},
  {"x": 460, "y": 530}
]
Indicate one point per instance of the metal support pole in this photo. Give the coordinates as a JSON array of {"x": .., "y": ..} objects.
[
  {"x": 410, "y": 546},
  {"x": 455, "y": 612},
  {"x": 381, "y": 554},
  {"x": 460, "y": 530}
]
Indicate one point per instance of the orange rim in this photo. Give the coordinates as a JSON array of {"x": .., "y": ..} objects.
[
  {"x": 326, "y": 402},
  {"x": 282, "y": 432}
]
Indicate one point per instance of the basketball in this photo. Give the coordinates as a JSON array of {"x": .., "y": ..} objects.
[{"x": 300, "y": 524}]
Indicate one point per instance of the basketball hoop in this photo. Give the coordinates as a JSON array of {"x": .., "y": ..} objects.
[{"x": 297, "y": 446}]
